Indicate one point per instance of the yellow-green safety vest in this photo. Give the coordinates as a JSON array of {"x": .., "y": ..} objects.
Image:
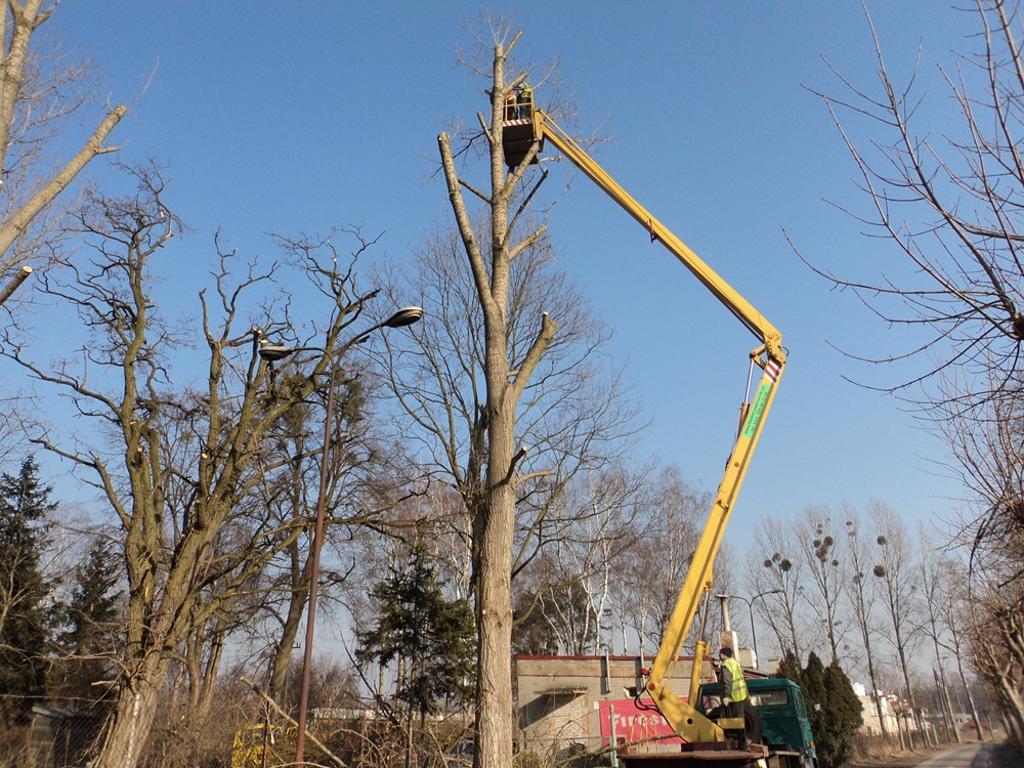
[{"x": 738, "y": 691}]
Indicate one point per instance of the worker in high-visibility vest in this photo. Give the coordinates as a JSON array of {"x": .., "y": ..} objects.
[
  {"x": 525, "y": 98},
  {"x": 734, "y": 689}
]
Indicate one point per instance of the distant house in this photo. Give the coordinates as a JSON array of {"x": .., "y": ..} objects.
[{"x": 896, "y": 715}]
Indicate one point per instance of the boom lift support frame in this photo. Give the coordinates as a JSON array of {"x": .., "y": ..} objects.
[{"x": 526, "y": 131}]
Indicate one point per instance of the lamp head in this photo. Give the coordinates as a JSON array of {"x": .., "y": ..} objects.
[
  {"x": 403, "y": 317},
  {"x": 274, "y": 352}
]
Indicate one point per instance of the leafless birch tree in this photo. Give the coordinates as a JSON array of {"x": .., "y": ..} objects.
[
  {"x": 896, "y": 579},
  {"x": 605, "y": 507},
  {"x": 649, "y": 580},
  {"x": 820, "y": 551},
  {"x": 859, "y": 565},
  {"x": 778, "y": 570}
]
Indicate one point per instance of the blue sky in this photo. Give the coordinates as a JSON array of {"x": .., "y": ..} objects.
[{"x": 295, "y": 117}]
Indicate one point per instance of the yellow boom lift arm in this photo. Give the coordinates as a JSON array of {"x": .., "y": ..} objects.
[{"x": 526, "y": 136}]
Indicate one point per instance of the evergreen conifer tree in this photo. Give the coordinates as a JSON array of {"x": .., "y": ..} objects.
[
  {"x": 89, "y": 636},
  {"x": 844, "y": 713},
  {"x": 26, "y": 618},
  {"x": 813, "y": 680},
  {"x": 832, "y": 706},
  {"x": 433, "y": 635},
  {"x": 789, "y": 668}
]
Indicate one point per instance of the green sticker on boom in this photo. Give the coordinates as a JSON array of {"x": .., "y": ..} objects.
[{"x": 757, "y": 411}]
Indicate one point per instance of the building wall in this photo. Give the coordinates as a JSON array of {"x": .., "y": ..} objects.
[
  {"x": 558, "y": 696},
  {"x": 869, "y": 714}
]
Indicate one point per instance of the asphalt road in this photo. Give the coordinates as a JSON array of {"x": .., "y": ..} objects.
[{"x": 966, "y": 756}]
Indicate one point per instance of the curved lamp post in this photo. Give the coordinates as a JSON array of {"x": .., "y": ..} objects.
[
  {"x": 271, "y": 353},
  {"x": 750, "y": 608}
]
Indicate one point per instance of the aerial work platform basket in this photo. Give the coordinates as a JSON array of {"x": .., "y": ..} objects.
[{"x": 518, "y": 130}]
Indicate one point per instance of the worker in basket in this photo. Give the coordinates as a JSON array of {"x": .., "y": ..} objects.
[
  {"x": 525, "y": 98},
  {"x": 511, "y": 108},
  {"x": 734, "y": 689}
]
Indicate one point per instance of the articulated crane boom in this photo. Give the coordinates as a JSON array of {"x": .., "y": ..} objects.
[{"x": 525, "y": 135}]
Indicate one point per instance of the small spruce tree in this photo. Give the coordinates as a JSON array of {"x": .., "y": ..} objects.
[
  {"x": 90, "y": 633},
  {"x": 26, "y": 616},
  {"x": 434, "y": 636}
]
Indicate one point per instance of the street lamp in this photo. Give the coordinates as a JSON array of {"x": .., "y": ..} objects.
[
  {"x": 403, "y": 317},
  {"x": 272, "y": 353},
  {"x": 750, "y": 608}
]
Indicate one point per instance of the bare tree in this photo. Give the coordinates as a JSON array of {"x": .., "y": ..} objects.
[
  {"x": 780, "y": 573},
  {"x": 571, "y": 418},
  {"x": 172, "y": 537},
  {"x": 510, "y": 372},
  {"x": 651, "y": 578},
  {"x": 605, "y": 508},
  {"x": 862, "y": 602},
  {"x": 936, "y": 593},
  {"x": 37, "y": 94},
  {"x": 955, "y": 617},
  {"x": 897, "y": 585},
  {"x": 361, "y": 487},
  {"x": 951, "y": 211},
  {"x": 987, "y": 447},
  {"x": 996, "y": 636},
  {"x": 820, "y": 551},
  {"x": 950, "y": 205}
]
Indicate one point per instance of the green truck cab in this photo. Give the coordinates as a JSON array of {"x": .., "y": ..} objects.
[{"x": 785, "y": 726}]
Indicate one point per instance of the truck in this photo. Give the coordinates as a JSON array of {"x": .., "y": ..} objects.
[
  {"x": 782, "y": 724},
  {"x": 707, "y": 740}
]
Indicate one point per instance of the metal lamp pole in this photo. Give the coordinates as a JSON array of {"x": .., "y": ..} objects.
[
  {"x": 403, "y": 317},
  {"x": 750, "y": 609}
]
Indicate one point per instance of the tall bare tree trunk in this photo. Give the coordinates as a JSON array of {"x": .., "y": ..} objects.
[
  {"x": 970, "y": 697},
  {"x": 896, "y": 585},
  {"x": 495, "y": 518},
  {"x": 494, "y": 606},
  {"x": 133, "y": 717},
  {"x": 901, "y": 652},
  {"x": 862, "y": 610},
  {"x": 299, "y": 581}
]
